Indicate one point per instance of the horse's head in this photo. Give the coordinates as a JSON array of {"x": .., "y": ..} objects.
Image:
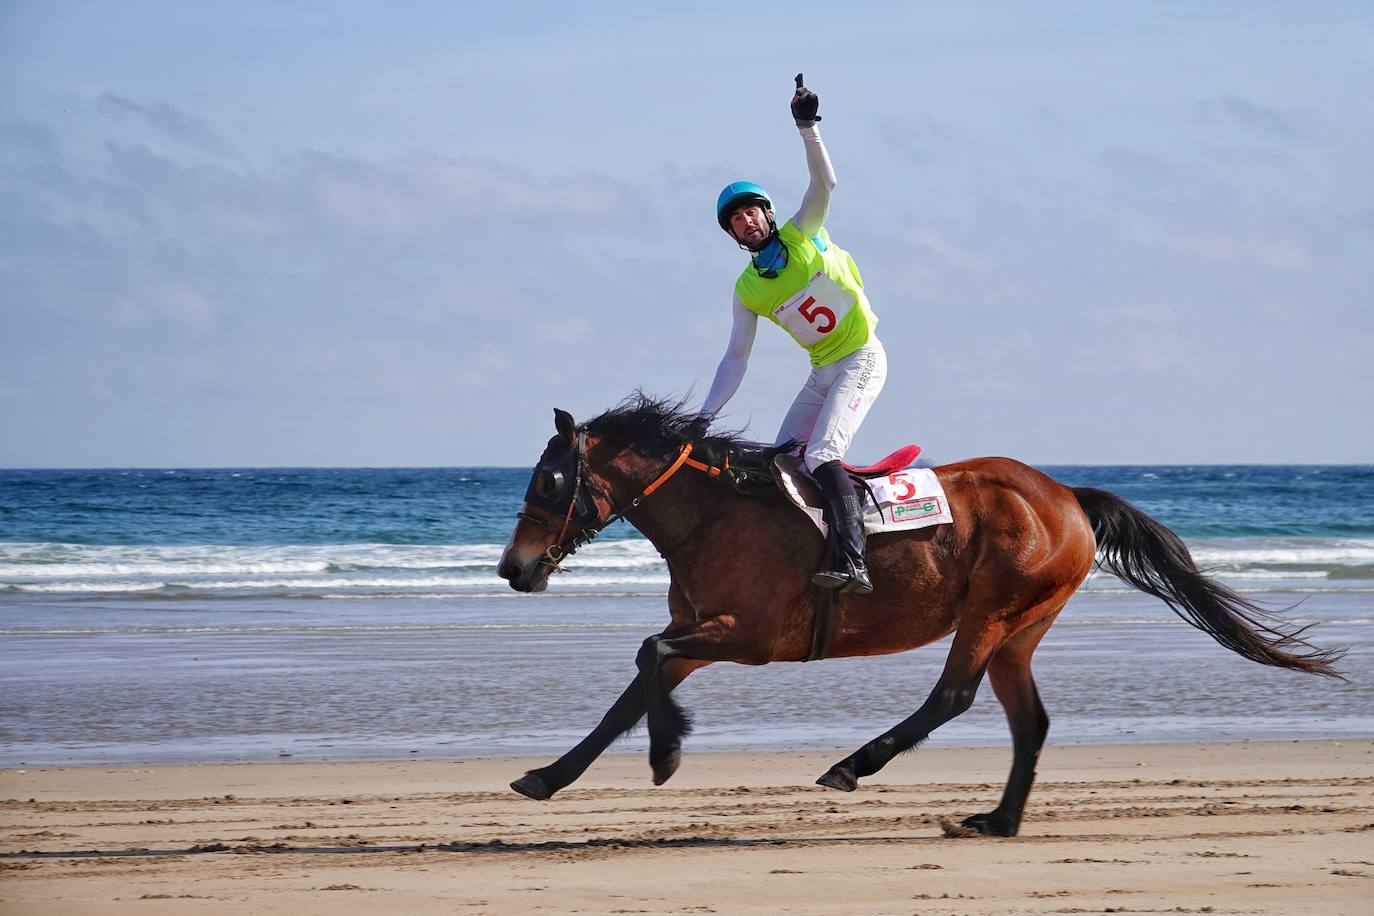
[
  {"x": 563, "y": 504},
  {"x": 594, "y": 474}
]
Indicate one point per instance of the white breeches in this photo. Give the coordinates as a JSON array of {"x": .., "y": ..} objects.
[{"x": 827, "y": 412}]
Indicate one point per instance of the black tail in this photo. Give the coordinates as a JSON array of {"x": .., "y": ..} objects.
[{"x": 1142, "y": 552}]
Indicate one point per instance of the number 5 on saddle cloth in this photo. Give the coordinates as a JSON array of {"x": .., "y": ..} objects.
[{"x": 895, "y": 496}]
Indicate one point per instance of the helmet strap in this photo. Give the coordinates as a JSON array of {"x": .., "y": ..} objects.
[{"x": 770, "y": 257}]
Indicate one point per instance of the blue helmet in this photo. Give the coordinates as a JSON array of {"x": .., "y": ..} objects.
[{"x": 739, "y": 194}]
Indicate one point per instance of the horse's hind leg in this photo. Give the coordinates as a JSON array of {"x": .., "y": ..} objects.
[
  {"x": 1010, "y": 673},
  {"x": 952, "y": 696}
]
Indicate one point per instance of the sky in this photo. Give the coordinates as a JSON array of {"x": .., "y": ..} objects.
[{"x": 366, "y": 234}]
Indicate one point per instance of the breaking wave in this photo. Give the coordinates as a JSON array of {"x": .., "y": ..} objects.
[{"x": 632, "y": 566}]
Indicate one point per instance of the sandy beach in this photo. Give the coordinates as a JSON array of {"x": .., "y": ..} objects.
[{"x": 1279, "y": 827}]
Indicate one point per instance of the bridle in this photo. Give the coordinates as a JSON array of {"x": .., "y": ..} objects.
[{"x": 561, "y": 549}]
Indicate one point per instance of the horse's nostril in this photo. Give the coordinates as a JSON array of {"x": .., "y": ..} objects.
[{"x": 508, "y": 571}]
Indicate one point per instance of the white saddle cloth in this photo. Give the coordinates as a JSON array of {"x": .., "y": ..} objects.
[{"x": 905, "y": 500}]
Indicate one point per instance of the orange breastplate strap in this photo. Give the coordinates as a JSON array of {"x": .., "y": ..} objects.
[{"x": 684, "y": 457}]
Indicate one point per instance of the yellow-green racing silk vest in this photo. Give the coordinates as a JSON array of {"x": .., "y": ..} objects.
[{"x": 818, "y": 298}]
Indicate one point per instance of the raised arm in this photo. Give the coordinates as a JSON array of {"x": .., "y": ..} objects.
[
  {"x": 815, "y": 203},
  {"x": 730, "y": 372}
]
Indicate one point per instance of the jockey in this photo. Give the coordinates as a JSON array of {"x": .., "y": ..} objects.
[{"x": 798, "y": 279}]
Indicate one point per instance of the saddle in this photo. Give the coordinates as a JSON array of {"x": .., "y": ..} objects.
[
  {"x": 895, "y": 496},
  {"x": 899, "y": 460}
]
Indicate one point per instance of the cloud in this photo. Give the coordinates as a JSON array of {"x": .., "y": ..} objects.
[
  {"x": 292, "y": 293},
  {"x": 166, "y": 120},
  {"x": 1230, "y": 251},
  {"x": 1237, "y": 110},
  {"x": 917, "y": 138},
  {"x": 1137, "y": 167},
  {"x": 334, "y": 307},
  {"x": 27, "y": 141}
]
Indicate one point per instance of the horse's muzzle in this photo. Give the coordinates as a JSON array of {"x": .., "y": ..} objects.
[{"x": 530, "y": 576}]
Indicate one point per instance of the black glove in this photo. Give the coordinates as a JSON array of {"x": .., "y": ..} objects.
[{"x": 805, "y": 103}]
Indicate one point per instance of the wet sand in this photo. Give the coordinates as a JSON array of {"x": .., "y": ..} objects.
[{"x": 1282, "y": 827}]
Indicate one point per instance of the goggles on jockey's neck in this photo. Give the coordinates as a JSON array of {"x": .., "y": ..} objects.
[{"x": 771, "y": 259}]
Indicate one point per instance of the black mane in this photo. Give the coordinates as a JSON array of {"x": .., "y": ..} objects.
[{"x": 662, "y": 426}]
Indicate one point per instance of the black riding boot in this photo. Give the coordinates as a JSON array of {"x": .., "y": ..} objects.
[{"x": 844, "y": 564}]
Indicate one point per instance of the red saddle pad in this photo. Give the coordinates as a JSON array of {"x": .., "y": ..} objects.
[{"x": 898, "y": 460}]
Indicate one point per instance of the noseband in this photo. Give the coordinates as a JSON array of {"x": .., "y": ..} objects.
[{"x": 560, "y": 550}]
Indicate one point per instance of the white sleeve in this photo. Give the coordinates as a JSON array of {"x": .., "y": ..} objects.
[
  {"x": 730, "y": 372},
  {"x": 815, "y": 204}
]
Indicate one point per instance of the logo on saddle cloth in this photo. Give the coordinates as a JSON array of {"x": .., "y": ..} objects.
[
  {"x": 914, "y": 511},
  {"x": 905, "y": 500},
  {"x": 911, "y": 496}
]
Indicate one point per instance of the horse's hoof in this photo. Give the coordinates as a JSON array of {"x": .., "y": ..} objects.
[
  {"x": 992, "y": 824},
  {"x": 532, "y": 786},
  {"x": 836, "y": 778},
  {"x": 666, "y": 767}
]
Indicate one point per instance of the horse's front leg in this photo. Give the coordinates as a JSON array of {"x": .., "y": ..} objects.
[
  {"x": 540, "y": 784},
  {"x": 675, "y": 654},
  {"x": 668, "y": 723},
  {"x": 624, "y": 713}
]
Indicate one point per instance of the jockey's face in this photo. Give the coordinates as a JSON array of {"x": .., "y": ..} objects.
[{"x": 749, "y": 226}]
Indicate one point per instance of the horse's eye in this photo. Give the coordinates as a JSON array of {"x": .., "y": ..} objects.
[{"x": 546, "y": 484}]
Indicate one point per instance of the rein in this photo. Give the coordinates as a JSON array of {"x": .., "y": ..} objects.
[{"x": 561, "y": 549}]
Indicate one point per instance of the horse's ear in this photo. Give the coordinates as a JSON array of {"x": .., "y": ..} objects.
[{"x": 563, "y": 422}]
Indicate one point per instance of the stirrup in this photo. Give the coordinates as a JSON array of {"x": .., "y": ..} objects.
[
  {"x": 860, "y": 583},
  {"x": 828, "y": 578},
  {"x": 849, "y": 583}
]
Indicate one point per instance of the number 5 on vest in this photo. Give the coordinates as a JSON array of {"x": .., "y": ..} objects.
[{"x": 818, "y": 312}]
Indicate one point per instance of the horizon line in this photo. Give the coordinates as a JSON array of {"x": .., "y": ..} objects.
[{"x": 516, "y": 467}]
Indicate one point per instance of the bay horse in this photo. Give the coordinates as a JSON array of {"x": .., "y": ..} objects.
[{"x": 741, "y": 558}]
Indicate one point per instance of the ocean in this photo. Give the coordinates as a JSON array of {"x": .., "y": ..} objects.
[{"x": 155, "y": 616}]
